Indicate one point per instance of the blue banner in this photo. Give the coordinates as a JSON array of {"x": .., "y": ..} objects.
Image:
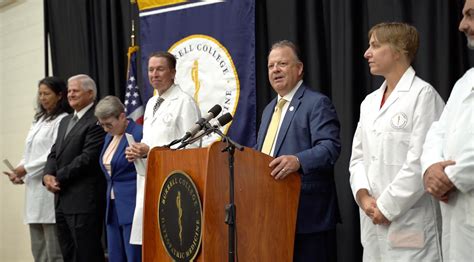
[{"x": 214, "y": 44}]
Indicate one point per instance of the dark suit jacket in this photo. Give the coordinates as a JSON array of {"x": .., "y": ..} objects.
[
  {"x": 124, "y": 177},
  {"x": 74, "y": 161},
  {"x": 310, "y": 130}
]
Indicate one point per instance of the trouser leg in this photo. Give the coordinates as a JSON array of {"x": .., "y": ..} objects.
[
  {"x": 53, "y": 250},
  {"x": 38, "y": 243}
]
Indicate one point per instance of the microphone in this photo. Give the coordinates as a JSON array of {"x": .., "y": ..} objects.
[
  {"x": 213, "y": 112},
  {"x": 222, "y": 120},
  {"x": 212, "y": 126}
]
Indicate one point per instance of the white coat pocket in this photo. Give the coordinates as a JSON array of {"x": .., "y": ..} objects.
[
  {"x": 395, "y": 148},
  {"x": 408, "y": 230}
]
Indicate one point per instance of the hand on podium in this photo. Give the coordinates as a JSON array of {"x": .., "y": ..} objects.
[{"x": 284, "y": 165}]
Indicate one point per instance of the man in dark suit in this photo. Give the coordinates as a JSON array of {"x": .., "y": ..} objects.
[
  {"x": 73, "y": 173},
  {"x": 300, "y": 128}
]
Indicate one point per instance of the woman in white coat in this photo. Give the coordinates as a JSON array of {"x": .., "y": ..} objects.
[
  {"x": 52, "y": 106},
  {"x": 399, "y": 220}
]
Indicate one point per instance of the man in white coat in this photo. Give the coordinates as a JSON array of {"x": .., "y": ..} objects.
[
  {"x": 448, "y": 159},
  {"x": 398, "y": 219},
  {"x": 168, "y": 115}
]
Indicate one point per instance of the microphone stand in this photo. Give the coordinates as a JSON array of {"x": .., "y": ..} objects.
[
  {"x": 194, "y": 139},
  {"x": 186, "y": 140},
  {"x": 230, "y": 209}
]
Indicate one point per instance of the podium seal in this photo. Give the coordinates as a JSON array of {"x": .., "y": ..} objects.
[{"x": 180, "y": 217}]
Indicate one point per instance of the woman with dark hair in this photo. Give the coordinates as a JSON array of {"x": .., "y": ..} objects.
[{"x": 52, "y": 106}]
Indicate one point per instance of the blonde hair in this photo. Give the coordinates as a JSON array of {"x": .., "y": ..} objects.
[{"x": 402, "y": 37}]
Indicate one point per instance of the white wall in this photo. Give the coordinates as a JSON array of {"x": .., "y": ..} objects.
[{"x": 21, "y": 66}]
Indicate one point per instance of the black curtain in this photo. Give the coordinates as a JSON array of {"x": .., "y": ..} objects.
[
  {"x": 91, "y": 36},
  {"x": 332, "y": 36}
]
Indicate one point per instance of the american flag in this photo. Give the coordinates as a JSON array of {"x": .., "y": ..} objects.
[{"x": 133, "y": 102}]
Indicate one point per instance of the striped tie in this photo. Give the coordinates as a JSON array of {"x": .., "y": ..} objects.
[
  {"x": 273, "y": 127},
  {"x": 157, "y": 104}
]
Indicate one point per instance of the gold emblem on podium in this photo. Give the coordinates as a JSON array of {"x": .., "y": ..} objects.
[{"x": 180, "y": 217}]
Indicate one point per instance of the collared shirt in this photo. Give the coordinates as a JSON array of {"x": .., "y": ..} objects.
[
  {"x": 168, "y": 92},
  {"x": 174, "y": 117},
  {"x": 83, "y": 111},
  {"x": 288, "y": 97},
  {"x": 107, "y": 158}
]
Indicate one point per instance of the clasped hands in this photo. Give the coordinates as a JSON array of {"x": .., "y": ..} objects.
[
  {"x": 369, "y": 206},
  {"x": 51, "y": 183},
  {"x": 16, "y": 175},
  {"x": 136, "y": 151}
]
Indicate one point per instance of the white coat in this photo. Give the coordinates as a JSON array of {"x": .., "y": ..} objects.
[
  {"x": 385, "y": 160},
  {"x": 176, "y": 115},
  {"x": 452, "y": 138},
  {"x": 39, "y": 206}
]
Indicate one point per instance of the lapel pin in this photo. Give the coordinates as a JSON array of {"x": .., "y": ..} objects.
[{"x": 292, "y": 108}]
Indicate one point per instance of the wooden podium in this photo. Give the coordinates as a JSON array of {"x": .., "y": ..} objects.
[{"x": 266, "y": 208}]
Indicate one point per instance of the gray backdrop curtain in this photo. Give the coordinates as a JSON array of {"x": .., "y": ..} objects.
[{"x": 92, "y": 36}]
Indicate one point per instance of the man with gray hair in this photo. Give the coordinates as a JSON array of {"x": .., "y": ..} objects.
[{"x": 73, "y": 174}]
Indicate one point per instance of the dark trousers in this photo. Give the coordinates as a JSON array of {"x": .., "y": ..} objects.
[
  {"x": 320, "y": 246},
  {"x": 79, "y": 236}
]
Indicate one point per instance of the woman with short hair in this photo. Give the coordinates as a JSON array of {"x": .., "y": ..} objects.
[
  {"x": 399, "y": 220},
  {"x": 121, "y": 177}
]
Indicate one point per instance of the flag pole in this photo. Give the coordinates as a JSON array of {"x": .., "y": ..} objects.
[
  {"x": 132, "y": 101},
  {"x": 132, "y": 36}
]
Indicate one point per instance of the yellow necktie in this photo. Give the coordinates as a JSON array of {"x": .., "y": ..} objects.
[{"x": 273, "y": 128}]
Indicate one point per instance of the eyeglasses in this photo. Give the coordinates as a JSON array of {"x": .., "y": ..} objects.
[{"x": 106, "y": 125}]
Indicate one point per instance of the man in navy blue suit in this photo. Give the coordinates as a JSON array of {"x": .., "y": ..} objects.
[{"x": 300, "y": 128}]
